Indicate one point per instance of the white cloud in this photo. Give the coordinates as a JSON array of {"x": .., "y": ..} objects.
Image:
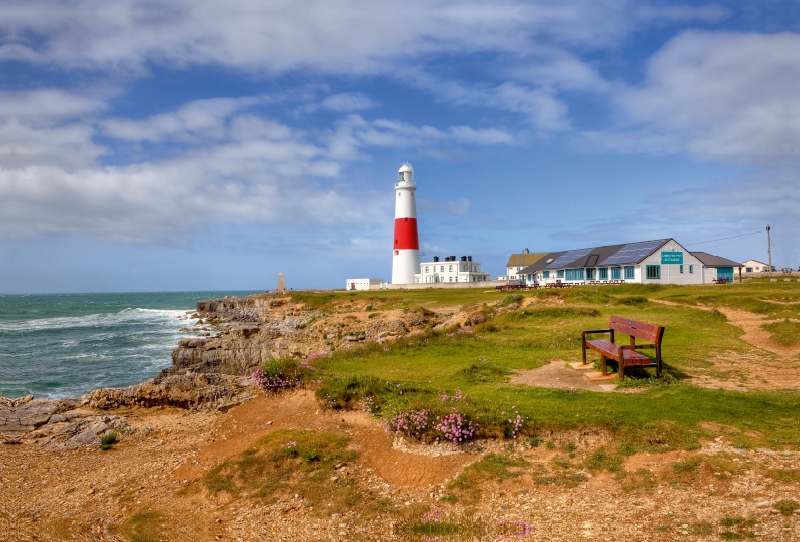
[
  {"x": 392, "y": 133},
  {"x": 349, "y": 101},
  {"x": 47, "y": 105},
  {"x": 232, "y": 166},
  {"x": 540, "y": 104},
  {"x": 722, "y": 96},
  {"x": 332, "y": 36},
  {"x": 200, "y": 119}
]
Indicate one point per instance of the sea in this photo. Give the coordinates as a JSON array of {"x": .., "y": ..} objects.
[{"x": 65, "y": 345}]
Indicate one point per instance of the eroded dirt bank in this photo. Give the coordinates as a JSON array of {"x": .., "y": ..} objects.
[{"x": 155, "y": 476}]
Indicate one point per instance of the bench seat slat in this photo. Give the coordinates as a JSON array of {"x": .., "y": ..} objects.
[{"x": 611, "y": 350}]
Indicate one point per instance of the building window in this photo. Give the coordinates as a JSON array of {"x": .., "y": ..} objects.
[
  {"x": 590, "y": 273},
  {"x": 451, "y": 268},
  {"x": 442, "y": 269},
  {"x": 629, "y": 272},
  {"x": 560, "y": 274},
  {"x": 616, "y": 273},
  {"x": 653, "y": 271},
  {"x": 602, "y": 273},
  {"x": 426, "y": 268},
  {"x": 574, "y": 274},
  {"x": 681, "y": 268},
  {"x": 546, "y": 275},
  {"x": 691, "y": 269}
]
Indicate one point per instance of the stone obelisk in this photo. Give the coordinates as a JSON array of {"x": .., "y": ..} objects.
[{"x": 281, "y": 284}]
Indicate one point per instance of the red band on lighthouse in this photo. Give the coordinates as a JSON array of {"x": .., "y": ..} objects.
[{"x": 405, "y": 234}]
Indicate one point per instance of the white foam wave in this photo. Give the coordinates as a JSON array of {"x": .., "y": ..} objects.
[{"x": 130, "y": 315}]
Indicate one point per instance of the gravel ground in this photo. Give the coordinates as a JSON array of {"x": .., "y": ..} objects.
[{"x": 87, "y": 494}]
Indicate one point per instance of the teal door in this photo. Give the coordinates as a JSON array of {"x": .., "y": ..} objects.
[{"x": 725, "y": 273}]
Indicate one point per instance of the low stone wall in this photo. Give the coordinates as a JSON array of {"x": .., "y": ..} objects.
[{"x": 485, "y": 284}]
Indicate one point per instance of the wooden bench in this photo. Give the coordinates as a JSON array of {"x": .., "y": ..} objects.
[{"x": 626, "y": 355}]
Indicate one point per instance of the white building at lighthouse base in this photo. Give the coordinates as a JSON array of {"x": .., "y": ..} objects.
[{"x": 450, "y": 270}]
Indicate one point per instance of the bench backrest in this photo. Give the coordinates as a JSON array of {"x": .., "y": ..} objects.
[{"x": 640, "y": 330}]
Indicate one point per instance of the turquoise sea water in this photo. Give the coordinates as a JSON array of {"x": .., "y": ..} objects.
[{"x": 65, "y": 345}]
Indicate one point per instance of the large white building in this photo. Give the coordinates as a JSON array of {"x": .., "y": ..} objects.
[
  {"x": 450, "y": 270},
  {"x": 663, "y": 261}
]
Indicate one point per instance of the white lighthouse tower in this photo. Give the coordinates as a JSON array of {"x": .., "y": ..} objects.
[{"x": 405, "y": 255}]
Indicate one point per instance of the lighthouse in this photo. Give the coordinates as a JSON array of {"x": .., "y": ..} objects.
[{"x": 405, "y": 255}]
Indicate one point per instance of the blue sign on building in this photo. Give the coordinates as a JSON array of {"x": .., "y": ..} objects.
[{"x": 672, "y": 258}]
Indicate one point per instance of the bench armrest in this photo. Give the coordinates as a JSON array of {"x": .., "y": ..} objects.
[
  {"x": 637, "y": 346},
  {"x": 588, "y": 331}
]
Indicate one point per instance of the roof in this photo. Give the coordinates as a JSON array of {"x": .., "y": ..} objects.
[
  {"x": 630, "y": 253},
  {"x": 521, "y": 260},
  {"x": 542, "y": 262},
  {"x": 756, "y": 261},
  {"x": 709, "y": 260}
]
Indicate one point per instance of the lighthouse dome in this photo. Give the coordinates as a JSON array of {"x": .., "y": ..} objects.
[{"x": 405, "y": 175}]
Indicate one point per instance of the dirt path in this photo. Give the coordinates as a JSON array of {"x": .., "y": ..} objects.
[
  {"x": 557, "y": 374},
  {"x": 750, "y": 370}
]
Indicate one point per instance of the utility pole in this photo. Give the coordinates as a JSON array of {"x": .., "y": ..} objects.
[{"x": 769, "y": 252}]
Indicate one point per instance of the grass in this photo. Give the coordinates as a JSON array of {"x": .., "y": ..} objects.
[
  {"x": 663, "y": 416},
  {"x": 491, "y": 467},
  {"x": 786, "y": 507},
  {"x": 304, "y": 461},
  {"x": 108, "y": 441},
  {"x": 144, "y": 526},
  {"x": 785, "y": 332},
  {"x": 480, "y": 363}
]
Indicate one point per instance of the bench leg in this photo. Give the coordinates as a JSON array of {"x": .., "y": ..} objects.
[
  {"x": 603, "y": 364},
  {"x": 621, "y": 371}
]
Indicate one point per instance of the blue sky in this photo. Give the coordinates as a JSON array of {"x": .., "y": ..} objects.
[{"x": 203, "y": 145}]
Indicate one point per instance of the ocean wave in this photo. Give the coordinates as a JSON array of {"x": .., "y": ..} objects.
[{"x": 129, "y": 315}]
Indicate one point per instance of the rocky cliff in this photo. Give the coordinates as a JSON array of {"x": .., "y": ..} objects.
[{"x": 265, "y": 326}]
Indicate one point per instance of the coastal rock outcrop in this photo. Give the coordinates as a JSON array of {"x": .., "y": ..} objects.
[
  {"x": 86, "y": 432},
  {"x": 188, "y": 390},
  {"x": 267, "y": 326}
]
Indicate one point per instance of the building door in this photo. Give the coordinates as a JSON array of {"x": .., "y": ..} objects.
[
  {"x": 725, "y": 273},
  {"x": 352, "y": 285}
]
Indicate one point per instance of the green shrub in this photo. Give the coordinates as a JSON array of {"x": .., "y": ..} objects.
[
  {"x": 787, "y": 507},
  {"x": 108, "y": 440}
]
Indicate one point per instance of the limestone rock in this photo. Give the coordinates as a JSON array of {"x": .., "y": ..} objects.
[
  {"x": 189, "y": 390},
  {"x": 87, "y": 432}
]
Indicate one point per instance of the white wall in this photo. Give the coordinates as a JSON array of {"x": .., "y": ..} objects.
[
  {"x": 363, "y": 284},
  {"x": 670, "y": 273}
]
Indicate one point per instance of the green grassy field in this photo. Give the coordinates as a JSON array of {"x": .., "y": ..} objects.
[{"x": 665, "y": 415}]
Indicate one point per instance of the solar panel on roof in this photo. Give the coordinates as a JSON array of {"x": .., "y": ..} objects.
[
  {"x": 633, "y": 252},
  {"x": 569, "y": 257}
]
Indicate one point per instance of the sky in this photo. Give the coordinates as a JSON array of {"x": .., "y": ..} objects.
[{"x": 205, "y": 145}]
